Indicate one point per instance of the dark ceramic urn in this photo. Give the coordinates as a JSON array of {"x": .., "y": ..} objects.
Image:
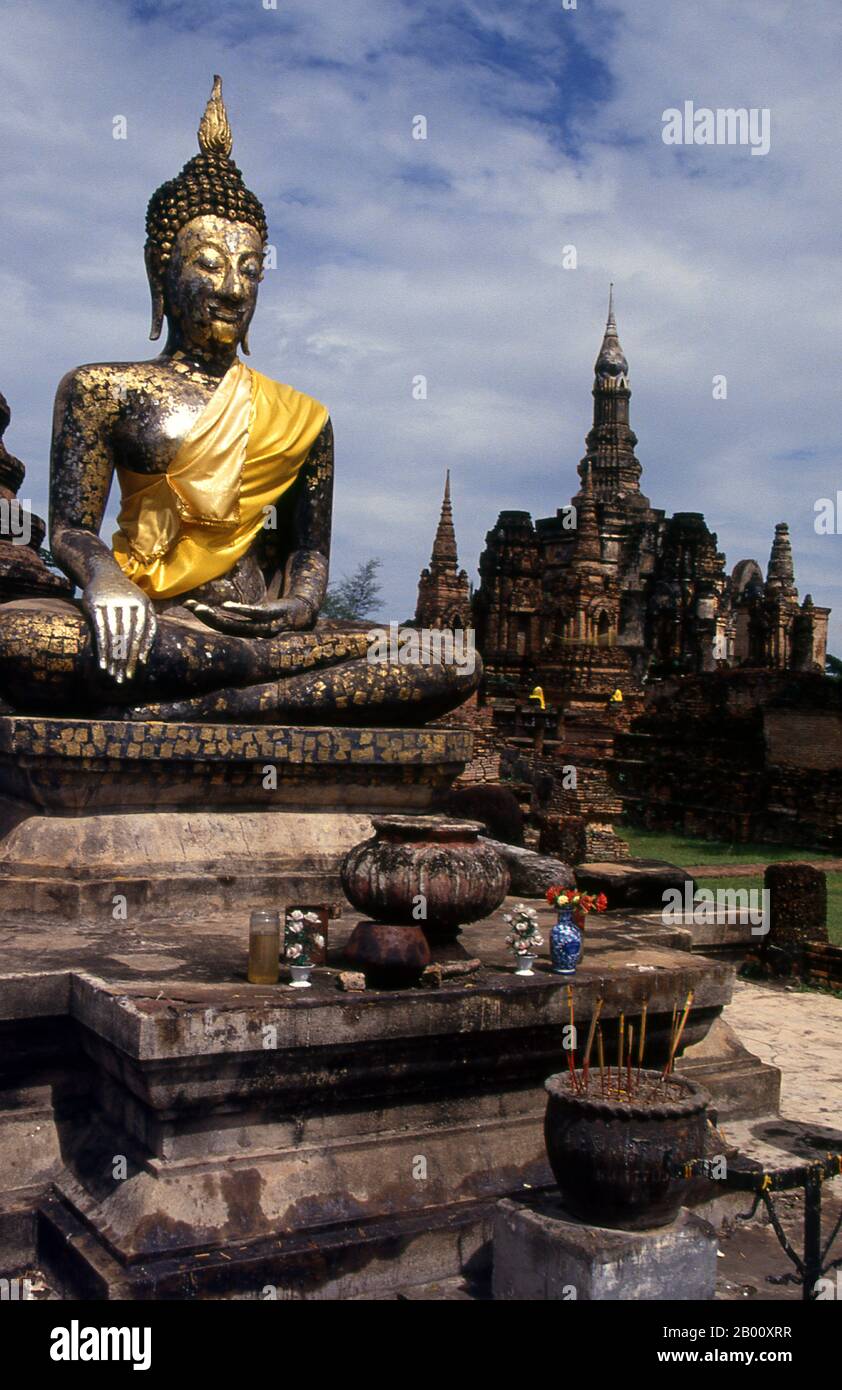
[
  {"x": 614, "y": 1161},
  {"x": 431, "y": 871},
  {"x": 390, "y": 955}
]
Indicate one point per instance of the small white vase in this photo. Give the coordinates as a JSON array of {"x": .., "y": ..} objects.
[
  {"x": 300, "y": 976},
  {"x": 524, "y": 965}
]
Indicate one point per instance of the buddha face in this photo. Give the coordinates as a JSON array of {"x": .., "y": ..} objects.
[{"x": 210, "y": 289}]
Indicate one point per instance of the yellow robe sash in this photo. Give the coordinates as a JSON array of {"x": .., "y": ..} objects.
[{"x": 181, "y": 528}]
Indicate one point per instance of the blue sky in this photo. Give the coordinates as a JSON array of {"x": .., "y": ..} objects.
[{"x": 444, "y": 257}]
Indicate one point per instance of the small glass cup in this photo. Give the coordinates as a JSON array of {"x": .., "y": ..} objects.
[{"x": 264, "y": 948}]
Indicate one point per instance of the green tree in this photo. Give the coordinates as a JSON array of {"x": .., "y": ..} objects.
[
  {"x": 833, "y": 666},
  {"x": 356, "y": 595}
]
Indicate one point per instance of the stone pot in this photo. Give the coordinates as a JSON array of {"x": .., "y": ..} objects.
[
  {"x": 612, "y": 1161},
  {"x": 390, "y": 955},
  {"x": 434, "y": 860}
]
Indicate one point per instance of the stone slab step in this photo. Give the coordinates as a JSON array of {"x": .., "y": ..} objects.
[{"x": 455, "y": 1290}]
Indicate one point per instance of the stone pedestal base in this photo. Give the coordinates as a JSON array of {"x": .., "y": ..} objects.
[
  {"x": 103, "y": 822},
  {"x": 328, "y": 1144},
  {"x": 541, "y": 1254}
]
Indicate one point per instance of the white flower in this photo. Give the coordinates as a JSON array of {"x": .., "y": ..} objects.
[
  {"x": 318, "y": 942},
  {"x": 523, "y": 918},
  {"x": 524, "y": 937},
  {"x": 294, "y": 927},
  {"x": 296, "y": 916},
  {"x": 294, "y": 951}
]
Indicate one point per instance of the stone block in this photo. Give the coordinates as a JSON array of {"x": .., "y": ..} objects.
[
  {"x": 577, "y": 838},
  {"x": 540, "y": 1254},
  {"x": 636, "y": 883},
  {"x": 351, "y": 981},
  {"x": 797, "y": 904},
  {"x": 531, "y": 874}
]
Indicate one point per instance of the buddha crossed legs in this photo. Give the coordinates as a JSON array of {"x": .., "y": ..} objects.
[{"x": 206, "y": 607}]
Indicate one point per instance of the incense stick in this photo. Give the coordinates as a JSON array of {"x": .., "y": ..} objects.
[
  {"x": 601, "y": 1054},
  {"x": 586, "y": 1065},
  {"x": 677, "y": 1037},
  {"x": 642, "y": 1038},
  {"x": 572, "y": 1025},
  {"x": 572, "y": 1070},
  {"x": 571, "y": 1051}
]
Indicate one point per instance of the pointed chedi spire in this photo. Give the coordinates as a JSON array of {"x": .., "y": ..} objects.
[
  {"x": 611, "y": 364},
  {"x": 611, "y": 441},
  {"x": 444, "y": 545},
  {"x": 444, "y": 596},
  {"x": 780, "y": 575}
]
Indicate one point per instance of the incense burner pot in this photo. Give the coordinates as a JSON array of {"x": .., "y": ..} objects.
[
  {"x": 614, "y": 1160},
  {"x": 428, "y": 871},
  {"x": 565, "y": 943}
]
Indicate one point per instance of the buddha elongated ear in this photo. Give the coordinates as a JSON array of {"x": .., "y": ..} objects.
[
  {"x": 157, "y": 293},
  {"x": 244, "y": 344},
  {"x": 157, "y": 314}
]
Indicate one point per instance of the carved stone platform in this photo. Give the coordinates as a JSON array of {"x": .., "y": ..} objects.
[
  {"x": 169, "y": 1131},
  {"x": 188, "y": 821}
]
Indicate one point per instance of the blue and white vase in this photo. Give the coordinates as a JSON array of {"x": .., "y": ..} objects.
[{"x": 565, "y": 943}]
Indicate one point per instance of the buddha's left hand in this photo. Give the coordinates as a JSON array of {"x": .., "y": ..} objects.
[{"x": 255, "y": 619}]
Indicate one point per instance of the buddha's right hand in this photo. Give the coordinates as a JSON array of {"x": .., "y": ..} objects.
[{"x": 123, "y": 622}]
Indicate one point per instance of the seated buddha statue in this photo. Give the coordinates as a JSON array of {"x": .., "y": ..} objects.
[{"x": 206, "y": 605}]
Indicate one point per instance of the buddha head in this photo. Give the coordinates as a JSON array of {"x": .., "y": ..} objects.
[{"x": 206, "y": 234}]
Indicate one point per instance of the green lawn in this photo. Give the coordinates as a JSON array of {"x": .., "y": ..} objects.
[{"x": 684, "y": 849}]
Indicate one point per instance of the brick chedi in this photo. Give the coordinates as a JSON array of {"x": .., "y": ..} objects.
[
  {"x": 610, "y": 589},
  {"x": 444, "y": 596},
  {"x": 611, "y": 597}
]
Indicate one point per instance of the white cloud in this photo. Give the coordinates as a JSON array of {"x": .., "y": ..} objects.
[{"x": 443, "y": 257}]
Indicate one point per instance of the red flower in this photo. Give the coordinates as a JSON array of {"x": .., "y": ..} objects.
[{"x": 601, "y": 903}]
